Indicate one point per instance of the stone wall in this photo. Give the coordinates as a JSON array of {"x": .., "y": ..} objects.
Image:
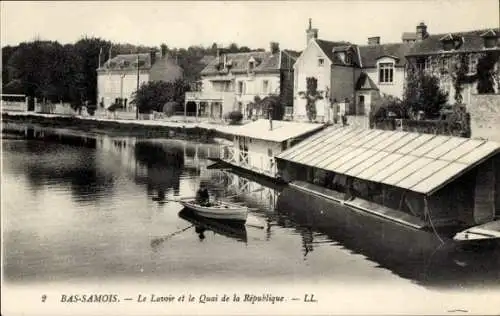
[{"x": 485, "y": 116}]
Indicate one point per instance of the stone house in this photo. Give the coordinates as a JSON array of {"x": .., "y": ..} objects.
[
  {"x": 232, "y": 81},
  {"x": 442, "y": 54},
  {"x": 348, "y": 75},
  {"x": 117, "y": 78}
]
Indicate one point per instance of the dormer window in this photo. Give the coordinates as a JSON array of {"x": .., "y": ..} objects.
[
  {"x": 321, "y": 62},
  {"x": 341, "y": 56},
  {"x": 490, "y": 42},
  {"x": 451, "y": 42},
  {"x": 448, "y": 45},
  {"x": 490, "y": 39}
]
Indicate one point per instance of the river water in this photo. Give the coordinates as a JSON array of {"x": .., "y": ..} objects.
[{"x": 96, "y": 208}]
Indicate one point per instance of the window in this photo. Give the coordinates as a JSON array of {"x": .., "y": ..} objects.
[
  {"x": 265, "y": 86},
  {"x": 321, "y": 62},
  {"x": 490, "y": 42},
  {"x": 251, "y": 66},
  {"x": 348, "y": 59},
  {"x": 240, "y": 87},
  {"x": 472, "y": 64},
  {"x": 423, "y": 63},
  {"x": 445, "y": 64},
  {"x": 448, "y": 45},
  {"x": 386, "y": 73}
]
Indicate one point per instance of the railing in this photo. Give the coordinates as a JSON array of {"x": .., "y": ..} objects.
[
  {"x": 208, "y": 95},
  {"x": 250, "y": 160}
]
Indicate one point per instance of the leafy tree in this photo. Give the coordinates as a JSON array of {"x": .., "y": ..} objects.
[
  {"x": 272, "y": 105},
  {"x": 152, "y": 96},
  {"x": 458, "y": 74},
  {"x": 312, "y": 95},
  {"x": 486, "y": 72},
  {"x": 87, "y": 49},
  {"x": 422, "y": 93}
]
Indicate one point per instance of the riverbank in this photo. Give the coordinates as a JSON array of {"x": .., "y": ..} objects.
[{"x": 201, "y": 131}]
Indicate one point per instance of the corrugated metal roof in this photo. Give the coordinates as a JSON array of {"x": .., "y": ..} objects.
[
  {"x": 421, "y": 163},
  {"x": 282, "y": 130}
]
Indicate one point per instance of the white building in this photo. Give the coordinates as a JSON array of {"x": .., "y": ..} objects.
[
  {"x": 234, "y": 81},
  {"x": 257, "y": 143},
  {"x": 117, "y": 78}
]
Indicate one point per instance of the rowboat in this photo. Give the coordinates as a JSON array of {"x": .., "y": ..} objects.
[
  {"x": 219, "y": 210},
  {"x": 231, "y": 229},
  {"x": 485, "y": 234}
]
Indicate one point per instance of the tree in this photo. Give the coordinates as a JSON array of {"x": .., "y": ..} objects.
[
  {"x": 312, "y": 95},
  {"x": 422, "y": 93},
  {"x": 88, "y": 49},
  {"x": 152, "y": 96},
  {"x": 486, "y": 72},
  {"x": 458, "y": 74}
]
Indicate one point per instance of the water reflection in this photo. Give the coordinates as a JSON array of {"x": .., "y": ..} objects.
[
  {"x": 61, "y": 166},
  {"x": 411, "y": 254},
  {"x": 296, "y": 239},
  {"x": 164, "y": 167}
]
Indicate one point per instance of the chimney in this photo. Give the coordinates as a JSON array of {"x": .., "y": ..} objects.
[
  {"x": 421, "y": 31},
  {"x": 374, "y": 40},
  {"x": 152, "y": 55},
  {"x": 311, "y": 33},
  {"x": 275, "y": 47}
]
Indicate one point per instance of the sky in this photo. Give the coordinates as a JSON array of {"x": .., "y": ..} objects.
[{"x": 250, "y": 23}]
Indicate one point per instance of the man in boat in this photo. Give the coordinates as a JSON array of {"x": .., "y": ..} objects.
[{"x": 202, "y": 196}]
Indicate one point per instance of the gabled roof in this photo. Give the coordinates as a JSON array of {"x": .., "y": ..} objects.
[
  {"x": 331, "y": 48},
  {"x": 371, "y": 53},
  {"x": 282, "y": 130},
  {"x": 490, "y": 32},
  {"x": 128, "y": 62},
  {"x": 472, "y": 42},
  {"x": 421, "y": 163},
  {"x": 365, "y": 83}
]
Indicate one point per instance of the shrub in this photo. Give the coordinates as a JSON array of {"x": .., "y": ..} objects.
[{"x": 234, "y": 117}]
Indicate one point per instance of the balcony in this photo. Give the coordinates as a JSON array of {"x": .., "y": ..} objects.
[{"x": 207, "y": 96}]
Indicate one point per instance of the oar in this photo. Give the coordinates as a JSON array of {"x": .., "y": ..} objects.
[{"x": 157, "y": 241}]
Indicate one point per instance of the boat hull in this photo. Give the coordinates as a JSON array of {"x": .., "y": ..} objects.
[{"x": 224, "y": 211}]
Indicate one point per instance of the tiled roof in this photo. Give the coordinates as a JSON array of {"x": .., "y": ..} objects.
[
  {"x": 365, "y": 83},
  {"x": 266, "y": 62},
  {"x": 128, "y": 62},
  {"x": 371, "y": 53},
  {"x": 329, "y": 48},
  {"x": 421, "y": 163},
  {"x": 472, "y": 41},
  {"x": 239, "y": 62}
]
